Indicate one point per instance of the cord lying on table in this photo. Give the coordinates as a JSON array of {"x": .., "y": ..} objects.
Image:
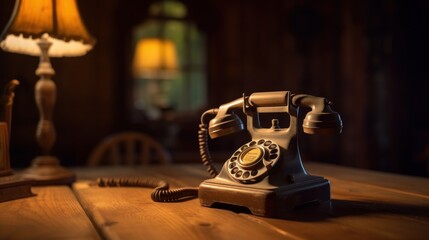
[{"x": 162, "y": 193}]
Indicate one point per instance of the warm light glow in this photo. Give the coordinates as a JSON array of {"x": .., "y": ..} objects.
[
  {"x": 155, "y": 58},
  {"x": 33, "y": 18}
]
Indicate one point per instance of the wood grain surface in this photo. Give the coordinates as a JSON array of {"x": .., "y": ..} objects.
[
  {"x": 54, "y": 213},
  {"x": 365, "y": 205}
]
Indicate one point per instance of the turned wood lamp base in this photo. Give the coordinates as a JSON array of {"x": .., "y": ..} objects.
[{"x": 46, "y": 170}]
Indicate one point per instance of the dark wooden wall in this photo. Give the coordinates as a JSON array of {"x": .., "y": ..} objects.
[{"x": 368, "y": 57}]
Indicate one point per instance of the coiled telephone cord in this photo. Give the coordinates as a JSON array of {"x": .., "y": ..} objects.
[
  {"x": 203, "y": 144},
  {"x": 161, "y": 192}
]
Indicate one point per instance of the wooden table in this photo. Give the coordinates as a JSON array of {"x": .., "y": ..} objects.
[{"x": 365, "y": 205}]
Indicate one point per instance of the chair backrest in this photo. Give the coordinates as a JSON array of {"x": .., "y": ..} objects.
[{"x": 128, "y": 148}]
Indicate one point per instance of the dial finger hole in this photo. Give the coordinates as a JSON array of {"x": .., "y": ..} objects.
[
  {"x": 272, "y": 146},
  {"x": 274, "y": 151},
  {"x": 232, "y": 165}
]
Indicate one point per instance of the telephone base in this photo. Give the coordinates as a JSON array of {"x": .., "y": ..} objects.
[{"x": 275, "y": 202}]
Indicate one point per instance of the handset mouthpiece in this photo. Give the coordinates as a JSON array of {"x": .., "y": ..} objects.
[
  {"x": 225, "y": 125},
  {"x": 226, "y": 121}
]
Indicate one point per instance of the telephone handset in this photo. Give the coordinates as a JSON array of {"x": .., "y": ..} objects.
[{"x": 265, "y": 175}]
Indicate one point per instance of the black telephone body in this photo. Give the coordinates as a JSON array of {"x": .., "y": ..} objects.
[{"x": 266, "y": 175}]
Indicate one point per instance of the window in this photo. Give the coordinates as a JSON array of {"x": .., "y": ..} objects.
[{"x": 178, "y": 84}]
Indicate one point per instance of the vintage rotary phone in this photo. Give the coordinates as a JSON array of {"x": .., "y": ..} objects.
[{"x": 265, "y": 175}]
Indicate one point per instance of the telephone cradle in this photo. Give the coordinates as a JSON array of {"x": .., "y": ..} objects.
[{"x": 265, "y": 175}]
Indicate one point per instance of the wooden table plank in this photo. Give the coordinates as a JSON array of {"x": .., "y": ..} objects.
[
  {"x": 391, "y": 181},
  {"x": 53, "y": 214},
  {"x": 379, "y": 210},
  {"x": 362, "y": 206},
  {"x": 129, "y": 213},
  {"x": 360, "y": 211}
]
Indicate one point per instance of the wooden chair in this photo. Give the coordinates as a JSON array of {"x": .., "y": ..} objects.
[{"x": 128, "y": 148}]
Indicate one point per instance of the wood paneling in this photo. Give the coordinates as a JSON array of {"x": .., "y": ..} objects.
[{"x": 324, "y": 48}]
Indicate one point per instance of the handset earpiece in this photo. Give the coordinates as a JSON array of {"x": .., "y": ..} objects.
[{"x": 321, "y": 119}]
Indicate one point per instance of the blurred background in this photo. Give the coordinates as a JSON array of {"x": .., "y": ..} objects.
[{"x": 369, "y": 57}]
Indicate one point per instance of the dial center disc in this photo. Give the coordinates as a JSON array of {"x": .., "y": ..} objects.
[{"x": 251, "y": 156}]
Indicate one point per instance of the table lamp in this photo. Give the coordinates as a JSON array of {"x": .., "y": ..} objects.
[{"x": 46, "y": 28}]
